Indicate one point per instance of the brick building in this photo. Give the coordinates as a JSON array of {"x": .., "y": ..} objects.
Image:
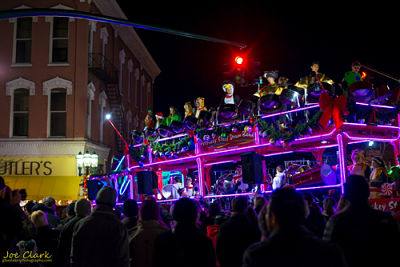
[{"x": 59, "y": 76}]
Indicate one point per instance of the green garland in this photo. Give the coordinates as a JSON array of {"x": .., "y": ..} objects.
[{"x": 274, "y": 131}]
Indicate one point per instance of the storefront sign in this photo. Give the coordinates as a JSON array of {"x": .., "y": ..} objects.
[
  {"x": 26, "y": 166},
  {"x": 231, "y": 140}
]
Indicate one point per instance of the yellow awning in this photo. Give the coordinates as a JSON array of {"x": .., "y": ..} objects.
[{"x": 38, "y": 187}]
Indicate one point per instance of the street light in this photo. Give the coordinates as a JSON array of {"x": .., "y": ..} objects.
[
  {"x": 79, "y": 162},
  {"x": 87, "y": 161}
]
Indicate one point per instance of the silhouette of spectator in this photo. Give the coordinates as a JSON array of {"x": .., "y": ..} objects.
[
  {"x": 289, "y": 242},
  {"x": 10, "y": 222},
  {"x": 259, "y": 203},
  {"x": 360, "y": 228},
  {"x": 213, "y": 211},
  {"x": 328, "y": 208},
  {"x": 52, "y": 217},
  {"x": 315, "y": 221},
  {"x": 46, "y": 238},
  {"x": 184, "y": 246},
  {"x": 236, "y": 234},
  {"x": 141, "y": 242},
  {"x": 130, "y": 209},
  {"x": 100, "y": 239},
  {"x": 70, "y": 214},
  {"x": 82, "y": 208}
]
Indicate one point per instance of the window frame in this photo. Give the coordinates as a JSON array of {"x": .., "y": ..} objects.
[
  {"x": 50, "y": 112},
  {"x": 51, "y": 61},
  {"x": 15, "y": 40}
]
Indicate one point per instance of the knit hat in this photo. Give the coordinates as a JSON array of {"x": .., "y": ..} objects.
[
  {"x": 159, "y": 115},
  {"x": 82, "y": 207},
  {"x": 106, "y": 196}
]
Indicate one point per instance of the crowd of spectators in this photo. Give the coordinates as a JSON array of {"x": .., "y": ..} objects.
[{"x": 286, "y": 228}]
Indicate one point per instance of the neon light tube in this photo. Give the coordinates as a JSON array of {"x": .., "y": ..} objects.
[
  {"x": 342, "y": 161},
  {"x": 219, "y": 162},
  {"x": 120, "y": 162},
  {"x": 369, "y": 138},
  {"x": 172, "y": 137},
  {"x": 277, "y": 153},
  {"x": 289, "y": 111},
  {"x": 374, "y": 105},
  {"x": 230, "y": 195},
  {"x": 318, "y": 187}
]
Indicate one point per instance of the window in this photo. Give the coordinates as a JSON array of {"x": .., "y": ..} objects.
[
  {"x": 58, "y": 112},
  {"x": 59, "y": 40},
  {"x": 23, "y": 40},
  {"x": 21, "y": 112}
]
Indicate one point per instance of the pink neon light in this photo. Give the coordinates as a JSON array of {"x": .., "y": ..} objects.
[
  {"x": 363, "y": 124},
  {"x": 277, "y": 153},
  {"x": 200, "y": 164},
  {"x": 289, "y": 111},
  {"x": 342, "y": 161},
  {"x": 374, "y": 105},
  {"x": 318, "y": 187},
  {"x": 369, "y": 138},
  {"x": 230, "y": 195},
  {"x": 219, "y": 162},
  {"x": 316, "y": 136}
]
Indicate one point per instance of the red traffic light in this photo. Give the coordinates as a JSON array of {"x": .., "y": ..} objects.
[{"x": 239, "y": 60}]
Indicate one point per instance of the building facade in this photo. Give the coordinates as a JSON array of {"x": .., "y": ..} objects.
[{"x": 59, "y": 77}]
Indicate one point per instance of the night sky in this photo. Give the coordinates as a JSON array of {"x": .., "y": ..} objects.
[{"x": 282, "y": 36}]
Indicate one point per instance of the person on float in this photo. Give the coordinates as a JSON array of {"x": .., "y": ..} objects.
[
  {"x": 189, "y": 187},
  {"x": 199, "y": 106},
  {"x": 352, "y": 76},
  {"x": 359, "y": 166},
  {"x": 378, "y": 175},
  {"x": 230, "y": 98},
  {"x": 188, "y": 110},
  {"x": 272, "y": 87},
  {"x": 279, "y": 179},
  {"x": 239, "y": 185},
  {"x": 148, "y": 120},
  {"x": 312, "y": 80},
  {"x": 160, "y": 120},
  {"x": 394, "y": 172},
  {"x": 173, "y": 115}
]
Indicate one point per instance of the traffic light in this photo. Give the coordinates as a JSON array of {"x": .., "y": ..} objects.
[{"x": 239, "y": 60}]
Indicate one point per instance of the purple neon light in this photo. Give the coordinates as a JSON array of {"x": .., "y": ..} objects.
[
  {"x": 318, "y": 187},
  {"x": 374, "y": 105},
  {"x": 290, "y": 111},
  {"x": 364, "y": 124}
]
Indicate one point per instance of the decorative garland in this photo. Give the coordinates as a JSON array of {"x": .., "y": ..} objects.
[{"x": 277, "y": 132}]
